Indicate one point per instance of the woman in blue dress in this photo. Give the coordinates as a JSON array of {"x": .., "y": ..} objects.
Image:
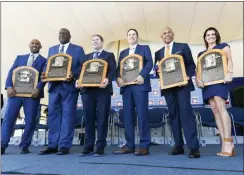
[{"x": 216, "y": 94}]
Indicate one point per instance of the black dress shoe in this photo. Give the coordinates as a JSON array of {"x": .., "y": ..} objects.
[
  {"x": 194, "y": 153},
  {"x": 2, "y": 150},
  {"x": 86, "y": 151},
  {"x": 48, "y": 150},
  {"x": 99, "y": 152},
  {"x": 63, "y": 151},
  {"x": 177, "y": 150},
  {"x": 24, "y": 150}
]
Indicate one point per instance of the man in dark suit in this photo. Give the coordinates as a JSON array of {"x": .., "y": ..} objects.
[
  {"x": 178, "y": 98},
  {"x": 63, "y": 96},
  {"x": 136, "y": 96},
  {"x": 31, "y": 105},
  {"x": 97, "y": 101}
]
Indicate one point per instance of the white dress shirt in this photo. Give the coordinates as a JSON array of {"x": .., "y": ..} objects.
[
  {"x": 65, "y": 47},
  {"x": 132, "y": 49}
]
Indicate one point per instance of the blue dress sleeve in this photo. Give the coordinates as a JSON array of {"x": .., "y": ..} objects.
[{"x": 223, "y": 45}]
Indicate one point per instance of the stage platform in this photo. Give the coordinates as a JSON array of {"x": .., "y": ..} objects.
[{"x": 157, "y": 163}]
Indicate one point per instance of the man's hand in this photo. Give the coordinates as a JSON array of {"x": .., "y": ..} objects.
[
  {"x": 199, "y": 83},
  {"x": 35, "y": 93},
  {"x": 70, "y": 77},
  {"x": 228, "y": 78},
  {"x": 120, "y": 82},
  {"x": 11, "y": 92},
  {"x": 187, "y": 78},
  {"x": 139, "y": 80},
  {"x": 104, "y": 83},
  {"x": 43, "y": 76},
  {"x": 77, "y": 85}
]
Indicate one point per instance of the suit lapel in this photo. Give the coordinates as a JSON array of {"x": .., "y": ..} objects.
[
  {"x": 102, "y": 55},
  {"x": 69, "y": 49},
  {"x": 36, "y": 60},
  {"x": 126, "y": 53},
  {"x": 174, "y": 49},
  {"x": 138, "y": 48},
  {"x": 26, "y": 59},
  {"x": 162, "y": 53}
]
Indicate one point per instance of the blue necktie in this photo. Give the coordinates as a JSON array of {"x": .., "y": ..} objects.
[
  {"x": 62, "y": 49},
  {"x": 96, "y": 54}
]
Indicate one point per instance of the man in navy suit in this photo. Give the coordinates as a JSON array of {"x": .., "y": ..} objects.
[
  {"x": 63, "y": 96},
  {"x": 97, "y": 101},
  {"x": 136, "y": 96},
  {"x": 31, "y": 105},
  {"x": 178, "y": 98}
]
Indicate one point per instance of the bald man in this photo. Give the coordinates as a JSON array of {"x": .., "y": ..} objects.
[
  {"x": 178, "y": 98},
  {"x": 63, "y": 96},
  {"x": 30, "y": 104}
]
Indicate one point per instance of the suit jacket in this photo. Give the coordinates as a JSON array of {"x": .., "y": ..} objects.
[
  {"x": 110, "y": 59},
  {"x": 184, "y": 50},
  {"x": 78, "y": 56},
  {"x": 22, "y": 60},
  {"x": 145, "y": 52}
]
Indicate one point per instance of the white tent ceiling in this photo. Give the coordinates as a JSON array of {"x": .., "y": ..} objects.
[{"x": 22, "y": 21}]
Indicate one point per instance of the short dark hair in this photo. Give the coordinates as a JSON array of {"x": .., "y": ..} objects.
[
  {"x": 134, "y": 31},
  {"x": 218, "y": 38},
  {"x": 101, "y": 38}
]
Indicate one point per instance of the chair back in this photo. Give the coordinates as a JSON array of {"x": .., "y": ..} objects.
[
  {"x": 156, "y": 114},
  {"x": 206, "y": 114}
]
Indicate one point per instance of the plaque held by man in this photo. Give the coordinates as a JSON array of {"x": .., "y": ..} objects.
[
  {"x": 58, "y": 67},
  {"x": 212, "y": 67},
  {"x": 172, "y": 72},
  {"x": 93, "y": 73},
  {"x": 130, "y": 68},
  {"x": 25, "y": 79}
]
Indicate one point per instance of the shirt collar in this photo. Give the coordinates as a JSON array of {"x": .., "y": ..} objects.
[
  {"x": 35, "y": 55},
  {"x": 170, "y": 45},
  {"x": 133, "y": 46},
  {"x": 98, "y": 51},
  {"x": 65, "y": 45}
]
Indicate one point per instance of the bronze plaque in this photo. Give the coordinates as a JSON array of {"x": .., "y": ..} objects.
[
  {"x": 58, "y": 67},
  {"x": 212, "y": 67},
  {"x": 130, "y": 68},
  {"x": 25, "y": 79},
  {"x": 172, "y": 72},
  {"x": 93, "y": 73}
]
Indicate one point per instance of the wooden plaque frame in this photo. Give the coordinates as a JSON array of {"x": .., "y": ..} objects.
[
  {"x": 122, "y": 63},
  {"x": 83, "y": 71},
  {"x": 183, "y": 71},
  {"x": 49, "y": 65},
  {"x": 199, "y": 65},
  {"x": 14, "y": 80}
]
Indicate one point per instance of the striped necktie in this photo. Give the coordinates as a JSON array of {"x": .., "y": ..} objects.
[
  {"x": 31, "y": 60},
  {"x": 61, "y": 49}
]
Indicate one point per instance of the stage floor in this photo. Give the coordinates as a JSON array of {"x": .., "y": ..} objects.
[{"x": 157, "y": 163}]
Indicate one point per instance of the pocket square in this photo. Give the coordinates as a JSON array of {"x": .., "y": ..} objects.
[{"x": 178, "y": 52}]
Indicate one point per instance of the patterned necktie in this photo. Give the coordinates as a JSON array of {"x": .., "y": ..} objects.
[
  {"x": 31, "y": 60},
  {"x": 96, "y": 54},
  {"x": 62, "y": 49},
  {"x": 167, "y": 51}
]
